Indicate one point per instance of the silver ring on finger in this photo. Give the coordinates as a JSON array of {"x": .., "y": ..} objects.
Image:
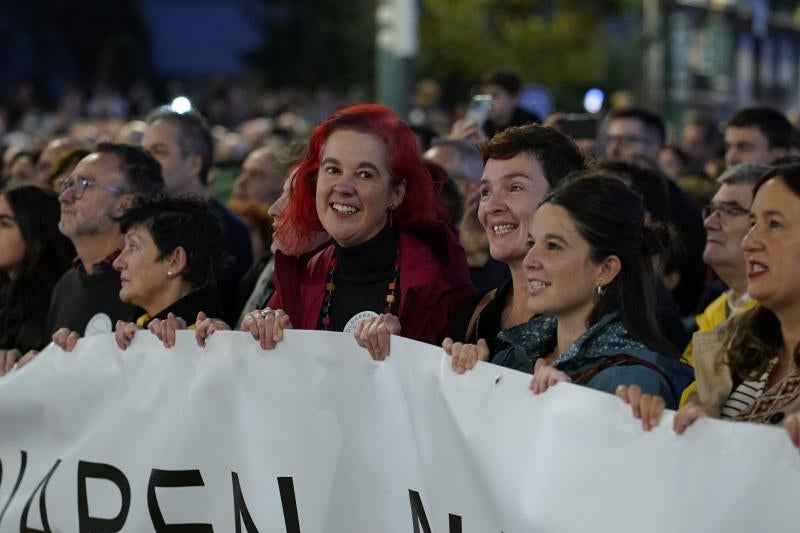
[{"x": 266, "y": 312}]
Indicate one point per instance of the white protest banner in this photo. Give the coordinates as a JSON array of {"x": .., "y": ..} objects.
[{"x": 316, "y": 437}]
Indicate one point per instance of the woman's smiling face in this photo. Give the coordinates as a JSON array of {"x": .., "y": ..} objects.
[
  {"x": 510, "y": 190},
  {"x": 354, "y": 187},
  {"x": 562, "y": 278}
]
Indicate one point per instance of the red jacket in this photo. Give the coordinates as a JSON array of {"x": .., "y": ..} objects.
[{"x": 434, "y": 280}]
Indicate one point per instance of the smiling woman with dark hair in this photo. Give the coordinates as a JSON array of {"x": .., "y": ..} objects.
[
  {"x": 169, "y": 266},
  {"x": 33, "y": 256}
]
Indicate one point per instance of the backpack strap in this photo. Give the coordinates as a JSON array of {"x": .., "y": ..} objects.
[
  {"x": 488, "y": 297},
  {"x": 585, "y": 374}
]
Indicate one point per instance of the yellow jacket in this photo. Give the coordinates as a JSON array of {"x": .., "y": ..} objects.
[{"x": 711, "y": 318}]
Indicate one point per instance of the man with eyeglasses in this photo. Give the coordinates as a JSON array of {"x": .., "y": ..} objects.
[
  {"x": 632, "y": 133},
  {"x": 726, "y": 223},
  {"x": 96, "y": 193}
]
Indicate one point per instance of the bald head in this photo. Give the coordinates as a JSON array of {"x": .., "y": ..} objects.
[
  {"x": 51, "y": 153},
  {"x": 261, "y": 177}
]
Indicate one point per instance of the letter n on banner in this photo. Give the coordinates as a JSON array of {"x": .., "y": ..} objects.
[
  {"x": 419, "y": 518},
  {"x": 288, "y": 502},
  {"x": 240, "y": 509}
]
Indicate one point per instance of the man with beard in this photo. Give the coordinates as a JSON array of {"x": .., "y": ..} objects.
[{"x": 97, "y": 192}]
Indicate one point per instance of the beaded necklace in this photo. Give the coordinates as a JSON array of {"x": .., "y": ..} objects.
[{"x": 330, "y": 288}]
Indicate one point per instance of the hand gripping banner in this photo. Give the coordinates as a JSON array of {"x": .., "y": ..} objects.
[{"x": 316, "y": 437}]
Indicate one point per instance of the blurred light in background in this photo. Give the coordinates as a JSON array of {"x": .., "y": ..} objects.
[
  {"x": 593, "y": 100},
  {"x": 181, "y": 105},
  {"x": 536, "y": 99}
]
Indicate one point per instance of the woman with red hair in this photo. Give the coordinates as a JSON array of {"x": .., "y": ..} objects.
[{"x": 392, "y": 266}]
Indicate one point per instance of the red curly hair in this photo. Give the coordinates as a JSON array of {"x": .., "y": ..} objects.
[{"x": 420, "y": 207}]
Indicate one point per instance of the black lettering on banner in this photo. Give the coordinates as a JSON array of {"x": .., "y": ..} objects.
[
  {"x": 289, "y": 503},
  {"x": 172, "y": 479},
  {"x": 90, "y": 524},
  {"x": 455, "y": 523},
  {"x": 23, "y": 523},
  {"x": 419, "y": 518},
  {"x": 240, "y": 510},
  {"x": 23, "y": 461}
]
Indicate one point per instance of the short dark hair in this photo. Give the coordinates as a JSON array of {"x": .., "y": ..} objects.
[
  {"x": 185, "y": 221},
  {"x": 649, "y": 119},
  {"x": 141, "y": 171},
  {"x": 557, "y": 153},
  {"x": 508, "y": 80},
  {"x": 194, "y": 136},
  {"x": 770, "y": 122}
]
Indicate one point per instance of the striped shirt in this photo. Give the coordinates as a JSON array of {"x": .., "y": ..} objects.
[{"x": 747, "y": 393}]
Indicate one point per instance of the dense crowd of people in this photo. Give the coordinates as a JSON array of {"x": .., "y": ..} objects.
[{"x": 657, "y": 269}]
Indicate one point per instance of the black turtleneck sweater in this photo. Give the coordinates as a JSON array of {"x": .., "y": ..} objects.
[{"x": 362, "y": 277}]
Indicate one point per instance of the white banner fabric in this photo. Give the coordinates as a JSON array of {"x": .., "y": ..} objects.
[{"x": 314, "y": 436}]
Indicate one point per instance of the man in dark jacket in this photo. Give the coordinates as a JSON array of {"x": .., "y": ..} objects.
[
  {"x": 103, "y": 184},
  {"x": 182, "y": 144}
]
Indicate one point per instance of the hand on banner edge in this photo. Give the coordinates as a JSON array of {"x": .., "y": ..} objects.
[
  {"x": 266, "y": 326},
  {"x": 645, "y": 407},
  {"x": 66, "y": 339},
  {"x": 546, "y": 376},
  {"x": 465, "y": 355},
  {"x": 374, "y": 333},
  {"x": 165, "y": 329},
  {"x": 206, "y": 326}
]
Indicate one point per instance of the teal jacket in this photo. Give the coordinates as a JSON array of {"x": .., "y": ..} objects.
[{"x": 602, "y": 358}]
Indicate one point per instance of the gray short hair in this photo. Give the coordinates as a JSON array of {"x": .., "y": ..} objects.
[
  {"x": 194, "y": 136},
  {"x": 744, "y": 174}
]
